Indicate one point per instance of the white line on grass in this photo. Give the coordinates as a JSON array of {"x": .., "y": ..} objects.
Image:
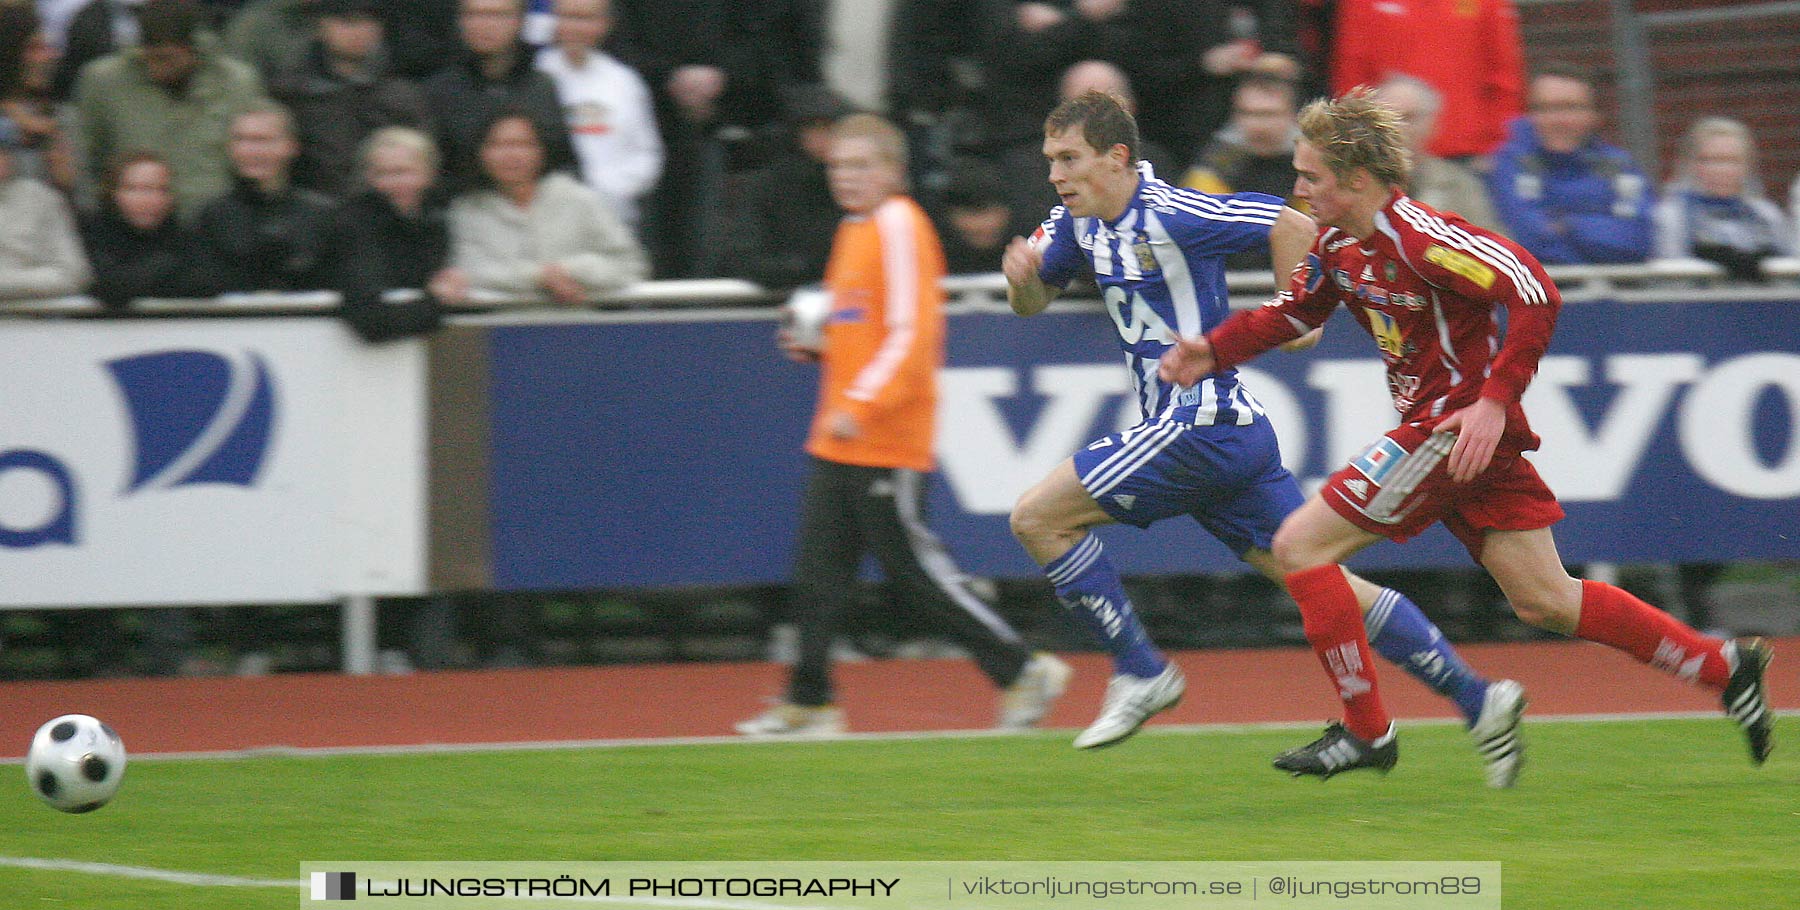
[
  {"x": 902, "y": 736},
  {"x": 159, "y": 875}
]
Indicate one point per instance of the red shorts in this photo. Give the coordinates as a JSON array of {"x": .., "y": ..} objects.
[{"x": 1401, "y": 484}]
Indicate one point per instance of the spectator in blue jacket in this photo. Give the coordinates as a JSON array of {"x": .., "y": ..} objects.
[{"x": 1565, "y": 194}]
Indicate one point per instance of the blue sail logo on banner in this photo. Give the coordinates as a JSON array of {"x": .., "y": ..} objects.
[{"x": 197, "y": 417}]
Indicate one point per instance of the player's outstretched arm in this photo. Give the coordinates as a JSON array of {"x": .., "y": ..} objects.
[
  {"x": 1025, "y": 289},
  {"x": 1292, "y": 236},
  {"x": 1305, "y": 342},
  {"x": 1289, "y": 238},
  {"x": 1187, "y": 362}
]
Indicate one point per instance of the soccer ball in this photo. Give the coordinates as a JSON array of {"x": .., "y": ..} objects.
[{"x": 75, "y": 763}]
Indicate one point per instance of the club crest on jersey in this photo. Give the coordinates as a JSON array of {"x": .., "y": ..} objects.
[
  {"x": 1378, "y": 460},
  {"x": 1462, "y": 264},
  {"x": 1312, "y": 273},
  {"x": 1145, "y": 258},
  {"x": 1391, "y": 271}
]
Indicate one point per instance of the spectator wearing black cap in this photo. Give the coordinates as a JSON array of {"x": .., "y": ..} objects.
[
  {"x": 340, "y": 92},
  {"x": 978, "y": 219},
  {"x": 782, "y": 231}
]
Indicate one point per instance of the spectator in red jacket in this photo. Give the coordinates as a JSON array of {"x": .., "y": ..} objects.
[{"x": 1469, "y": 50}]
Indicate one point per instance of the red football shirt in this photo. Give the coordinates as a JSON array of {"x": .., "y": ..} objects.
[{"x": 1428, "y": 287}]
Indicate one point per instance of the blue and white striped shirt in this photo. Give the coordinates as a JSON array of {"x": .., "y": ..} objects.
[{"x": 1161, "y": 271}]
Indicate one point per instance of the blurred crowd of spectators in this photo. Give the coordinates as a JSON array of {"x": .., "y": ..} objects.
[{"x": 561, "y": 150}]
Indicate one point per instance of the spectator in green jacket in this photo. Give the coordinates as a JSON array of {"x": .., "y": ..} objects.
[{"x": 173, "y": 95}]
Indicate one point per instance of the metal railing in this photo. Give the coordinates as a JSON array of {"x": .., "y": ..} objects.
[{"x": 1657, "y": 281}]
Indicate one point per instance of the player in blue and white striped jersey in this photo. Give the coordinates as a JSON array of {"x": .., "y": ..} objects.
[
  {"x": 1205, "y": 450},
  {"x": 1160, "y": 267}
]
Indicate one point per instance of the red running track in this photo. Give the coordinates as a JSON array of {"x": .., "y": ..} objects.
[{"x": 686, "y": 700}]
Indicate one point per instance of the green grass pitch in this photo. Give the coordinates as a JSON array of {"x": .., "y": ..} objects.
[{"x": 1641, "y": 814}]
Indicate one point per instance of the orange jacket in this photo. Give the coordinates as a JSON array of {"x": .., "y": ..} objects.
[{"x": 884, "y": 339}]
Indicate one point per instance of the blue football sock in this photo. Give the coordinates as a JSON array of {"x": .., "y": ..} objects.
[
  {"x": 1399, "y": 631},
  {"x": 1089, "y": 586}
]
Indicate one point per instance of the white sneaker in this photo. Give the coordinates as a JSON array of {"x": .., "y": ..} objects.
[
  {"x": 1027, "y": 701},
  {"x": 1131, "y": 700},
  {"x": 795, "y": 720},
  {"x": 1496, "y": 732}
]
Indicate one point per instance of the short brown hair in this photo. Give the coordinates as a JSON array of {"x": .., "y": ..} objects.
[
  {"x": 1103, "y": 120},
  {"x": 1355, "y": 130}
]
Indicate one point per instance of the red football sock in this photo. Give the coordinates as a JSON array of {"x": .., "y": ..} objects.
[
  {"x": 1612, "y": 617},
  {"x": 1334, "y": 626}
]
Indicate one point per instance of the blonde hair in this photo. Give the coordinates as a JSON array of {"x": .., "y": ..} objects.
[
  {"x": 1719, "y": 126},
  {"x": 399, "y": 137},
  {"x": 889, "y": 142},
  {"x": 1355, "y": 130},
  {"x": 264, "y": 107}
]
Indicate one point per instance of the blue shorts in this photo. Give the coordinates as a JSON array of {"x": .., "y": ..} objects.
[{"x": 1229, "y": 478}]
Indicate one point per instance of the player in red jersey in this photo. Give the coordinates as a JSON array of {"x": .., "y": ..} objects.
[{"x": 1426, "y": 286}]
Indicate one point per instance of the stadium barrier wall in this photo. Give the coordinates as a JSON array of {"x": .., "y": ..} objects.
[
  {"x": 208, "y": 461},
  {"x": 191, "y": 460},
  {"x": 642, "y": 451}
]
